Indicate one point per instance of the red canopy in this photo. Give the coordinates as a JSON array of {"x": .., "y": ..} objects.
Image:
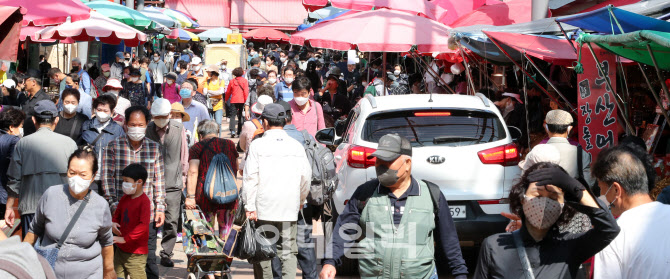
[
  {"x": 515, "y": 11},
  {"x": 557, "y": 51},
  {"x": 313, "y": 5},
  {"x": 10, "y": 27},
  {"x": 266, "y": 34},
  {"x": 378, "y": 30},
  {"x": 615, "y": 3},
  {"x": 419, "y": 7},
  {"x": 50, "y": 12},
  {"x": 454, "y": 9}
]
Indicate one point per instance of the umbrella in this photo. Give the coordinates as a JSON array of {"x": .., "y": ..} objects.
[
  {"x": 182, "y": 35},
  {"x": 97, "y": 27},
  {"x": 41, "y": 13},
  {"x": 325, "y": 13},
  {"x": 185, "y": 20},
  {"x": 158, "y": 16},
  {"x": 378, "y": 30},
  {"x": 313, "y": 5},
  {"x": 215, "y": 35},
  {"x": 266, "y": 34},
  {"x": 506, "y": 13},
  {"x": 121, "y": 13},
  {"x": 305, "y": 26},
  {"x": 11, "y": 18},
  {"x": 451, "y": 10},
  {"x": 419, "y": 7},
  {"x": 553, "y": 49}
]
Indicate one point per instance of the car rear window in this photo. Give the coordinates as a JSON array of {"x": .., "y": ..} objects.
[{"x": 443, "y": 127}]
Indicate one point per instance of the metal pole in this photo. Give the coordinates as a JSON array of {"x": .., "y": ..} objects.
[
  {"x": 656, "y": 97},
  {"x": 566, "y": 36},
  {"x": 467, "y": 70},
  {"x": 617, "y": 98},
  {"x": 384, "y": 72},
  {"x": 435, "y": 75},
  {"x": 658, "y": 72},
  {"x": 529, "y": 76},
  {"x": 525, "y": 96},
  {"x": 545, "y": 78}
]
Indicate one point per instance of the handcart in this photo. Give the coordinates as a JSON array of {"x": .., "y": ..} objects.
[{"x": 202, "y": 246}]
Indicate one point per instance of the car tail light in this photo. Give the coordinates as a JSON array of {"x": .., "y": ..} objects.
[
  {"x": 358, "y": 157},
  {"x": 492, "y": 202},
  {"x": 506, "y": 155},
  {"x": 434, "y": 113}
]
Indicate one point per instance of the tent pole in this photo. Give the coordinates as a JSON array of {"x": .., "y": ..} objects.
[
  {"x": 656, "y": 97},
  {"x": 547, "y": 79},
  {"x": 483, "y": 72},
  {"x": 566, "y": 36},
  {"x": 525, "y": 104},
  {"x": 617, "y": 99},
  {"x": 467, "y": 70},
  {"x": 658, "y": 72},
  {"x": 624, "y": 83},
  {"x": 529, "y": 76},
  {"x": 432, "y": 73},
  {"x": 384, "y": 72}
]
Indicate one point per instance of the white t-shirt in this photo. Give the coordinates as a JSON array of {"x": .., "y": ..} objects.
[{"x": 642, "y": 248}]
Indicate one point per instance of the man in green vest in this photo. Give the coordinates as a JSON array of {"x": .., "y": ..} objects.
[{"x": 399, "y": 221}]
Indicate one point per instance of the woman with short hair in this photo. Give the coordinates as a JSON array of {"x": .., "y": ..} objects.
[{"x": 11, "y": 129}]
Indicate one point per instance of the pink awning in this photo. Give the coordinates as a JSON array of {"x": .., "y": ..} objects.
[
  {"x": 313, "y": 5},
  {"x": 454, "y": 9},
  {"x": 10, "y": 17},
  {"x": 266, "y": 34},
  {"x": 378, "y": 30},
  {"x": 511, "y": 12},
  {"x": 557, "y": 51},
  {"x": 107, "y": 30},
  {"x": 49, "y": 12}
]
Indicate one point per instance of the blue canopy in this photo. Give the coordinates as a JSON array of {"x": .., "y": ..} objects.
[
  {"x": 308, "y": 25},
  {"x": 601, "y": 20}
]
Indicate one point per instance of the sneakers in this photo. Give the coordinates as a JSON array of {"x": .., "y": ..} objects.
[{"x": 167, "y": 262}]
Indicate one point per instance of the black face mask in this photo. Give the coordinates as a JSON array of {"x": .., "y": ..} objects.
[
  {"x": 386, "y": 176},
  {"x": 75, "y": 68}
]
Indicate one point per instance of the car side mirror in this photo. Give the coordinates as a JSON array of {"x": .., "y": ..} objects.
[
  {"x": 326, "y": 136},
  {"x": 515, "y": 133},
  {"x": 340, "y": 127}
]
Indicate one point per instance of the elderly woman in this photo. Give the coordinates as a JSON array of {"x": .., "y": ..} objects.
[
  {"x": 11, "y": 128},
  {"x": 200, "y": 155},
  {"x": 87, "y": 251},
  {"x": 545, "y": 198}
]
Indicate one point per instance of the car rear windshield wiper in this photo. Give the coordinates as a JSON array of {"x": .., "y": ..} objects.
[{"x": 450, "y": 139}]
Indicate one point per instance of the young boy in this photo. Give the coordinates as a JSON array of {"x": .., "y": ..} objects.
[{"x": 131, "y": 224}]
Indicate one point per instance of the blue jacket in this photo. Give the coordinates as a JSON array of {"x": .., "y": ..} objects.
[
  {"x": 7, "y": 143},
  {"x": 89, "y": 133}
]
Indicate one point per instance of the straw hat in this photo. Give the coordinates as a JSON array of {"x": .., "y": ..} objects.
[{"x": 177, "y": 107}]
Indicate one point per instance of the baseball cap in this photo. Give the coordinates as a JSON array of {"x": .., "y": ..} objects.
[
  {"x": 161, "y": 107},
  {"x": 286, "y": 105},
  {"x": 262, "y": 75},
  {"x": 260, "y": 104},
  {"x": 9, "y": 83},
  {"x": 558, "y": 117},
  {"x": 45, "y": 109},
  {"x": 178, "y": 107},
  {"x": 120, "y": 55},
  {"x": 105, "y": 67},
  {"x": 390, "y": 147},
  {"x": 274, "y": 111},
  {"x": 171, "y": 75},
  {"x": 196, "y": 61},
  {"x": 335, "y": 71},
  {"x": 541, "y": 153}
]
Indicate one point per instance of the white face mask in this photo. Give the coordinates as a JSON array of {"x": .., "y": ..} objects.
[
  {"x": 161, "y": 123},
  {"x": 115, "y": 92},
  {"x": 272, "y": 80},
  {"x": 133, "y": 79},
  {"x": 70, "y": 108},
  {"x": 177, "y": 119},
  {"x": 196, "y": 68},
  {"x": 128, "y": 188},
  {"x": 301, "y": 101},
  {"x": 223, "y": 67},
  {"x": 396, "y": 73},
  {"x": 156, "y": 58},
  {"x": 283, "y": 59},
  {"x": 288, "y": 80},
  {"x": 77, "y": 184},
  {"x": 604, "y": 198},
  {"x": 102, "y": 116},
  {"x": 136, "y": 133}
]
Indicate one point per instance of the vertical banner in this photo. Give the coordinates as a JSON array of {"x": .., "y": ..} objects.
[{"x": 597, "y": 107}]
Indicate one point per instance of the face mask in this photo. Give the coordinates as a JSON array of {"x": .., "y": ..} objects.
[
  {"x": 396, "y": 73},
  {"x": 126, "y": 76},
  {"x": 69, "y": 108},
  {"x": 161, "y": 122},
  {"x": 106, "y": 74},
  {"x": 136, "y": 66},
  {"x": 604, "y": 199},
  {"x": 364, "y": 84},
  {"x": 127, "y": 58},
  {"x": 375, "y": 70},
  {"x": 128, "y": 188},
  {"x": 196, "y": 68},
  {"x": 283, "y": 59},
  {"x": 169, "y": 82},
  {"x": 75, "y": 68},
  {"x": 272, "y": 80},
  {"x": 223, "y": 67},
  {"x": 177, "y": 119},
  {"x": 386, "y": 176},
  {"x": 77, "y": 184},
  {"x": 185, "y": 93},
  {"x": 252, "y": 53},
  {"x": 102, "y": 116},
  {"x": 133, "y": 79},
  {"x": 21, "y": 132},
  {"x": 301, "y": 101},
  {"x": 542, "y": 212},
  {"x": 113, "y": 92},
  {"x": 156, "y": 58},
  {"x": 136, "y": 133},
  {"x": 288, "y": 80},
  {"x": 68, "y": 86}
]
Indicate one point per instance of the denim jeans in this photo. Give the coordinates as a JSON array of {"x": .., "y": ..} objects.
[{"x": 218, "y": 117}]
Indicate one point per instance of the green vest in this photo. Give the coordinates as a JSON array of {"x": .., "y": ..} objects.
[{"x": 404, "y": 252}]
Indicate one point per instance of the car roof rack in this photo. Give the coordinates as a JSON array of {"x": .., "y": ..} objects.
[
  {"x": 372, "y": 100},
  {"x": 485, "y": 100}
]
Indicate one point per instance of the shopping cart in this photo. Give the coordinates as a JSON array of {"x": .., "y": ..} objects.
[{"x": 202, "y": 246}]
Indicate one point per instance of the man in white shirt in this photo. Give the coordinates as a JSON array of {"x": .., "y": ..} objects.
[
  {"x": 642, "y": 248},
  {"x": 558, "y": 124},
  {"x": 277, "y": 177}
]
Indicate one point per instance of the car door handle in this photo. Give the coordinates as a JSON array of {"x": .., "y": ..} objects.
[{"x": 338, "y": 157}]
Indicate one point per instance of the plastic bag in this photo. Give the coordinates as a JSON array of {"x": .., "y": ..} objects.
[
  {"x": 240, "y": 214},
  {"x": 248, "y": 248},
  {"x": 265, "y": 250}
]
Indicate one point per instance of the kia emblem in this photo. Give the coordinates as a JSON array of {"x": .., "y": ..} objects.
[{"x": 435, "y": 159}]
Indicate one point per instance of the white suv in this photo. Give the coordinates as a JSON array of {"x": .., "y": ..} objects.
[{"x": 460, "y": 143}]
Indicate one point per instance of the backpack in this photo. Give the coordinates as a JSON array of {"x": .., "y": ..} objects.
[
  {"x": 259, "y": 128},
  {"x": 220, "y": 186},
  {"x": 324, "y": 176},
  {"x": 433, "y": 190}
]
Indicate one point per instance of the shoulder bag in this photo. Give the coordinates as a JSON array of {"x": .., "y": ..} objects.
[{"x": 523, "y": 256}]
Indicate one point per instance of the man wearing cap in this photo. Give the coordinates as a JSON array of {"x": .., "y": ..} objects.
[
  {"x": 402, "y": 246},
  {"x": 334, "y": 95},
  {"x": 101, "y": 80},
  {"x": 514, "y": 113},
  {"x": 29, "y": 174},
  {"x": 558, "y": 124},
  {"x": 276, "y": 167},
  {"x": 170, "y": 89},
  {"x": 252, "y": 125},
  {"x": 171, "y": 137},
  {"x": 113, "y": 88},
  {"x": 84, "y": 78},
  {"x": 35, "y": 94},
  {"x": 158, "y": 71},
  {"x": 198, "y": 73},
  {"x": 196, "y": 110},
  {"x": 116, "y": 70},
  {"x": 178, "y": 114}
]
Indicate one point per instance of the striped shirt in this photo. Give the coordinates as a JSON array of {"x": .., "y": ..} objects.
[{"x": 118, "y": 155}]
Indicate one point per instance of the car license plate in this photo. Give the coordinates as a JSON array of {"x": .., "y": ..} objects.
[{"x": 457, "y": 211}]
